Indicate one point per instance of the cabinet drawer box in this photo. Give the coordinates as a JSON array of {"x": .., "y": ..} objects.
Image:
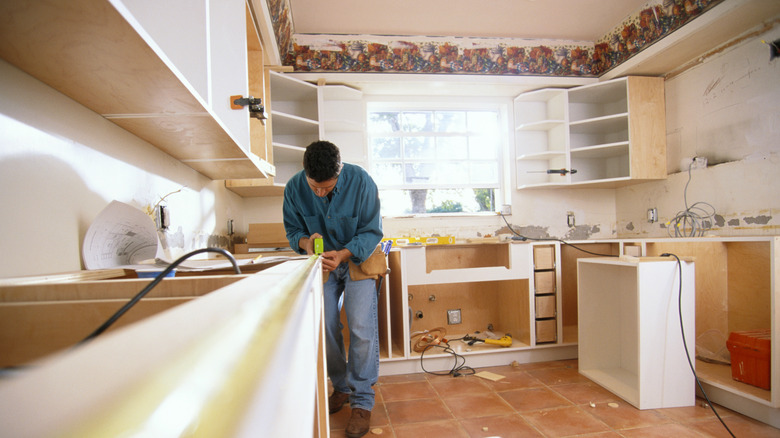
[
  {"x": 544, "y": 257},
  {"x": 546, "y": 330},
  {"x": 545, "y": 306},
  {"x": 544, "y": 282}
]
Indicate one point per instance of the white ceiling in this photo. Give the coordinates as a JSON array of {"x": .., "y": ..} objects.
[{"x": 578, "y": 20}]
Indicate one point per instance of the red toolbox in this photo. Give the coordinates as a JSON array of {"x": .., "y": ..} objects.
[{"x": 750, "y": 357}]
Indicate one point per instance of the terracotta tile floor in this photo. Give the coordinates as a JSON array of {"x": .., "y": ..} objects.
[{"x": 547, "y": 399}]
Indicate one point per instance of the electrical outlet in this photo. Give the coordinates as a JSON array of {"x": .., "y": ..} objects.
[
  {"x": 652, "y": 215},
  {"x": 570, "y": 219},
  {"x": 162, "y": 217},
  {"x": 506, "y": 210},
  {"x": 453, "y": 316}
]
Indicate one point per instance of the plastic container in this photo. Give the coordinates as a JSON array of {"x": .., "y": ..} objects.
[{"x": 750, "y": 357}]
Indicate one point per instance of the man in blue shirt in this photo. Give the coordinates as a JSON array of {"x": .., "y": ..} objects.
[{"x": 339, "y": 202}]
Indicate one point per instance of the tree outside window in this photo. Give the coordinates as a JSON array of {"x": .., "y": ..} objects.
[{"x": 435, "y": 161}]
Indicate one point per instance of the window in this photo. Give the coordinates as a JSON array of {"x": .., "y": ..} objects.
[{"x": 435, "y": 160}]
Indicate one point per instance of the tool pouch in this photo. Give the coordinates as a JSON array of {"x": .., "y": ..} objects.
[{"x": 373, "y": 267}]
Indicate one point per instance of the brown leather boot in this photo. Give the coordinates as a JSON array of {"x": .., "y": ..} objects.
[
  {"x": 358, "y": 423},
  {"x": 336, "y": 401}
]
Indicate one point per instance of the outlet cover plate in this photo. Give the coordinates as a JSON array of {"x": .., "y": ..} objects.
[{"x": 453, "y": 316}]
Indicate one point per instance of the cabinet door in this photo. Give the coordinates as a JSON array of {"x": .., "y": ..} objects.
[
  {"x": 177, "y": 31},
  {"x": 229, "y": 66}
]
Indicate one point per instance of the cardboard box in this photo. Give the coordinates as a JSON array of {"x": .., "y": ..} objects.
[
  {"x": 750, "y": 357},
  {"x": 267, "y": 235}
]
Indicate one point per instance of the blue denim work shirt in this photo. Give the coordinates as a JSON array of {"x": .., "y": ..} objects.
[{"x": 350, "y": 219}]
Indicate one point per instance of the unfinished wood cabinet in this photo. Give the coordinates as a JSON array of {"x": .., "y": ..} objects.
[
  {"x": 607, "y": 134},
  {"x": 486, "y": 285},
  {"x": 216, "y": 346},
  {"x": 148, "y": 70},
  {"x": 38, "y": 319},
  {"x": 736, "y": 290}
]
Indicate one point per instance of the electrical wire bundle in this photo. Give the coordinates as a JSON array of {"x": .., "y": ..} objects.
[
  {"x": 695, "y": 220},
  {"x": 435, "y": 338}
]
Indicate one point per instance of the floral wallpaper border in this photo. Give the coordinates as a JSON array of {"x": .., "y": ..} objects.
[{"x": 495, "y": 56}]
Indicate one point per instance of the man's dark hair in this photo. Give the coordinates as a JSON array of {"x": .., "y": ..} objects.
[{"x": 322, "y": 161}]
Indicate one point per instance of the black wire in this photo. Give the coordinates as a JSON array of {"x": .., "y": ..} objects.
[
  {"x": 524, "y": 238},
  {"x": 685, "y": 344},
  {"x": 151, "y": 286},
  {"x": 456, "y": 370}
]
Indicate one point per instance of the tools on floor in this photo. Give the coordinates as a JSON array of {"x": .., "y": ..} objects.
[{"x": 503, "y": 341}]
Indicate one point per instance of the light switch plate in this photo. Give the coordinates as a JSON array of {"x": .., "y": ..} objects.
[{"x": 453, "y": 316}]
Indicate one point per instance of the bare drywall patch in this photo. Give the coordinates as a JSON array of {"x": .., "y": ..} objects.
[
  {"x": 719, "y": 220},
  {"x": 630, "y": 226},
  {"x": 581, "y": 232},
  {"x": 531, "y": 231},
  {"x": 734, "y": 223},
  {"x": 760, "y": 220}
]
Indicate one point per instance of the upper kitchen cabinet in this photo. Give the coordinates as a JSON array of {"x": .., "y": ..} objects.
[
  {"x": 608, "y": 134},
  {"x": 164, "y": 71},
  {"x": 294, "y": 123}
]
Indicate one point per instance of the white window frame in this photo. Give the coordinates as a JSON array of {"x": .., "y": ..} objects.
[{"x": 416, "y": 103}]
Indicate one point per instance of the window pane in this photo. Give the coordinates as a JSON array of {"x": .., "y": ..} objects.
[
  {"x": 483, "y": 121},
  {"x": 453, "y": 148},
  {"x": 483, "y": 147},
  {"x": 427, "y": 161},
  {"x": 452, "y": 173},
  {"x": 419, "y": 173},
  {"x": 450, "y": 121},
  {"x": 400, "y": 202},
  {"x": 384, "y": 122},
  {"x": 418, "y": 121},
  {"x": 485, "y": 172},
  {"x": 383, "y": 148},
  {"x": 388, "y": 174},
  {"x": 419, "y": 148}
]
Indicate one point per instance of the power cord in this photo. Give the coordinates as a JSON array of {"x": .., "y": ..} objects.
[
  {"x": 103, "y": 327},
  {"x": 695, "y": 220},
  {"x": 685, "y": 344},
  {"x": 459, "y": 368},
  {"x": 519, "y": 236}
]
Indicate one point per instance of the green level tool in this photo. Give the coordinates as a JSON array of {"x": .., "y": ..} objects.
[{"x": 318, "y": 246}]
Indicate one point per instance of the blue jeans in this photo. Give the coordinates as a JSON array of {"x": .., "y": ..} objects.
[{"x": 360, "y": 373}]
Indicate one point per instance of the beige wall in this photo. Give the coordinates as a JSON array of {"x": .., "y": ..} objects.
[
  {"x": 61, "y": 164},
  {"x": 727, "y": 109}
]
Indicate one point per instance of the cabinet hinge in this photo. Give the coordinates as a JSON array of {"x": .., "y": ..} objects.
[{"x": 255, "y": 104}]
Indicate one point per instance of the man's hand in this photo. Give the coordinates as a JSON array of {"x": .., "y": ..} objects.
[
  {"x": 307, "y": 243},
  {"x": 332, "y": 259}
]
